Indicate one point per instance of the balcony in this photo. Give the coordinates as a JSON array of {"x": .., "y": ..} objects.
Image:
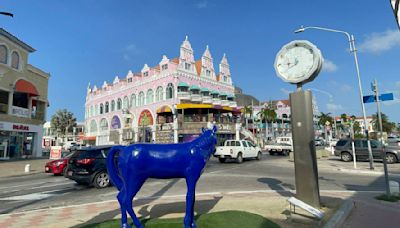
[
  {"x": 20, "y": 112},
  {"x": 184, "y": 95},
  {"x": 195, "y": 97},
  {"x": 225, "y": 102},
  {"x": 207, "y": 99},
  {"x": 216, "y": 101},
  {"x": 232, "y": 104}
]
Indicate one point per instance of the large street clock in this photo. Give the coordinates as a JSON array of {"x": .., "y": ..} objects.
[{"x": 298, "y": 62}]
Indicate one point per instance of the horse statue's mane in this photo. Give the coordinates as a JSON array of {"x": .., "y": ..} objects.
[{"x": 138, "y": 162}]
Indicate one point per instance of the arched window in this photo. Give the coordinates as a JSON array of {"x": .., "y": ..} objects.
[
  {"x": 141, "y": 99},
  {"x": 93, "y": 127},
  {"x": 149, "y": 96},
  {"x": 15, "y": 60},
  {"x": 107, "y": 107},
  {"x": 101, "y": 109},
  {"x": 159, "y": 94},
  {"x": 170, "y": 91},
  {"x": 119, "y": 104},
  {"x": 103, "y": 124},
  {"x": 125, "y": 104},
  {"x": 96, "y": 110},
  {"x": 91, "y": 111},
  {"x": 112, "y": 106},
  {"x": 3, "y": 54},
  {"x": 133, "y": 100}
]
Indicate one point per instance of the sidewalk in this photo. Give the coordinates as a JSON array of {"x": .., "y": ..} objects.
[
  {"x": 17, "y": 167},
  {"x": 271, "y": 205}
]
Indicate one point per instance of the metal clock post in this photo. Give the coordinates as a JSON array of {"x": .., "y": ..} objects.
[{"x": 299, "y": 62}]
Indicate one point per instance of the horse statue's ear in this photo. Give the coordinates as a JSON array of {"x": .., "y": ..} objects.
[
  {"x": 203, "y": 130},
  {"x": 215, "y": 128}
]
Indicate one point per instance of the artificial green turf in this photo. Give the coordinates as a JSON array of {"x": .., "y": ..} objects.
[
  {"x": 224, "y": 219},
  {"x": 391, "y": 198}
]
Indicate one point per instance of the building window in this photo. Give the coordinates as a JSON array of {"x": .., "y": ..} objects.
[
  {"x": 141, "y": 99},
  {"x": 119, "y": 103},
  {"x": 103, "y": 125},
  {"x": 145, "y": 74},
  {"x": 159, "y": 94},
  {"x": 101, "y": 108},
  {"x": 149, "y": 96},
  {"x": 225, "y": 78},
  {"x": 164, "y": 67},
  {"x": 112, "y": 106},
  {"x": 96, "y": 110},
  {"x": 187, "y": 66},
  {"x": 15, "y": 60},
  {"x": 133, "y": 100},
  {"x": 208, "y": 72},
  {"x": 93, "y": 126},
  {"x": 170, "y": 91},
  {"x": 129, "y": 79},
  {"x": 107, "y": 107},
  {"x": 126, "y": 102},
  {"x": 3, "y": 54},
  {"x": 91, "y": 111}
]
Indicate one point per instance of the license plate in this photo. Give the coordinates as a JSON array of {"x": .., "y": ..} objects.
[{"x": 69, "y": 173}]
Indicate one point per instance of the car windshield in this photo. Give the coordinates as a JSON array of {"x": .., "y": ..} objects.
[{"x": 341, "y": 143}]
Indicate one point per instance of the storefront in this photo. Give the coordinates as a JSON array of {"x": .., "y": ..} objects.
[{"x": 20, "y": 140}]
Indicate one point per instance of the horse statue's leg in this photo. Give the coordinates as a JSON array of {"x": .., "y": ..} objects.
[
  {"x": 121, "y": 199},
  {"x": 190, "y": 199},
  {"x": 133, "y": 187}
]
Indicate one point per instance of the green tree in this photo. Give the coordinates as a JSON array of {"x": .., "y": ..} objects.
[
  {"x": 268, "y": 115},
  {"x": 63, "y": 121},
  {"x": 323, "y": 120},
  {"x": 387, "y": 126},
  {"x": 248, "y": 112}
]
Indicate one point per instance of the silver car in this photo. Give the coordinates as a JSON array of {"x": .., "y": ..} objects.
[{"x": 344, "y": 150}]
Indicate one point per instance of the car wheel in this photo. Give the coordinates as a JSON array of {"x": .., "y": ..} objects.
[
  {"x": 346, "y": 156},
  {"x": 390, "y": 158},
  {"x": 239, "y": 158},
  {"x": 271, "y": 153},
  {"x": 222, "y": 160},
  {"x": 64, "y": 171},
  {"x": 101, "y": 180},
  {"x": 259, "y": 155}
]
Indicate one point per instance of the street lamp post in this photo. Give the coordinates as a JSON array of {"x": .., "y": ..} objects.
[{"x": 354, "y": 50}]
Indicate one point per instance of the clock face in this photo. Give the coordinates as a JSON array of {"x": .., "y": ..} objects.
[{"x": 298, "y": 61}]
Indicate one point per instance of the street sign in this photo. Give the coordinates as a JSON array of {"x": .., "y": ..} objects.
[{"x": 382, "y": 97}]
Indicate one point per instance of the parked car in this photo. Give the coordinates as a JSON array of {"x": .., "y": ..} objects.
[
  {"x": 393, "y": 141},
  {"x": 75, "y": 146},
  {"x": 237, "y": 149},
  {"x": 59, "y": 166},
  {"x": 285, "y": 140},
  {"x": 344, "y": 150},
  {"x": 279, "y": 148},
  {"x": 67, "y": 145},
  {"x": 88, "y": 166},
  {"x": 319, "y": 142}
]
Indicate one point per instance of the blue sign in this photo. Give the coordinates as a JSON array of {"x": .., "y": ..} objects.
[{"x": 382, "y": 97}]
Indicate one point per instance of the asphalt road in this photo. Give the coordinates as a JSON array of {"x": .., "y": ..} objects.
[{"x": 271, "y": 173}]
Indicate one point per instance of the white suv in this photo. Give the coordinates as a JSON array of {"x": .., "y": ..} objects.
[{"x": 237, "y": 149}]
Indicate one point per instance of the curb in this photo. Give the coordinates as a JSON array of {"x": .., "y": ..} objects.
[{"x": 340, "y": 215}]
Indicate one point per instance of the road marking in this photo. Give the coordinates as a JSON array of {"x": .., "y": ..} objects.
[
  {"x": 38, "y": 187},
  {"x": 32, "y": 196}
]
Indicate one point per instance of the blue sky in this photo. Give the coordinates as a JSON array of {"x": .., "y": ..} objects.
[{"x": 94, "y": 40}]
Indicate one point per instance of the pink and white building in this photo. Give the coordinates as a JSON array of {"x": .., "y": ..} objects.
[{"x": 166, "y": 103}]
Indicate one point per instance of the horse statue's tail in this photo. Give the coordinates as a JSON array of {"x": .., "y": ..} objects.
[{"x": 112, "y": 169}]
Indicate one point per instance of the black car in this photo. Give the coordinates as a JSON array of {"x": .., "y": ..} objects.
[{"x": 88, "y": 166}]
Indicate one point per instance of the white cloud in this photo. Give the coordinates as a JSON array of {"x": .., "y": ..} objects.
[
  {"x": 201, "y": 5},
  {"x": 329, "y": 66},
  {"x": 285, "y": 91},
  {"x": 346, "y": 88},
  {"x": 131, "y": 47},
  {"x": 380, "y": 41},
  {"x": 129, "y": 51},
  {"x": 334, "y": 107}
]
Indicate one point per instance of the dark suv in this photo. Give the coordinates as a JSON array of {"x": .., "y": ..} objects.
[
  {"x": 88, "y": 166},
  {"x": 344, "y": 150}
]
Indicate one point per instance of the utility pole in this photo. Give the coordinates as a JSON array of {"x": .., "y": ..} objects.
[{"x": 375, "y": 89}]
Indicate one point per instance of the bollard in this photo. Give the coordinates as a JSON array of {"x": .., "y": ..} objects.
[
  {"x": 27, "y": 168},
  {"x": 394, "y": 187}
]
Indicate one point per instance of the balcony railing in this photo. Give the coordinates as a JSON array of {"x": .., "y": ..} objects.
[
  {"x": 20, "y": 112},
  {"x": 184, "y": 95},
  {"x": 207, "y": 99},
  {"x": 216, "y": 101},
  {"x": 232, "y": 104},
  {"x": 195, "y": 97},
  {"x": 225, "y": 103}
]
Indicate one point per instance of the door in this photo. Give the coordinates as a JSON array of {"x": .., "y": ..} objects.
[
  {"x": 376, "y": 149},
  {"x": 252, "y": 148},
  {"x": 245, "y": 149},
  {"x": 361, "y": 148}
]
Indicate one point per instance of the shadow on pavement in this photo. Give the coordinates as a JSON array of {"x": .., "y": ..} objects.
[{"x": 278, "y": 186}]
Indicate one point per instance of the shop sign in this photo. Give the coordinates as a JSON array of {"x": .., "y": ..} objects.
[
  {"x": 20, "y": 127},
  {"x": 55, "y": 152},
  {"x": 115, "y": 123}
]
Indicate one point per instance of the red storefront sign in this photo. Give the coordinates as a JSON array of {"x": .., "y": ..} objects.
[{"x": 20, "y": 127}]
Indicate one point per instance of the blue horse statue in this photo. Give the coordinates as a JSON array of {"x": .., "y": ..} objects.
[{"x": 137, "y": 162}]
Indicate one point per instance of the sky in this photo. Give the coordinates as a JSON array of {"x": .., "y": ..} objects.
[{"x": 92, "y": 41}]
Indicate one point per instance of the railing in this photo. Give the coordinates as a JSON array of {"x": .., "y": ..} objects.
[
  {"x": 165, "y": 127},
  {"x": 20, "y": 112},
  {"x": 207, "y": 99},
  {"x": 225, "y": 102},
  {"x": 216, "y": 101},
  {"x": 184, "y": 95},
  {"x": 232, "y": 104},
  {"x": 195, "y": 97}
]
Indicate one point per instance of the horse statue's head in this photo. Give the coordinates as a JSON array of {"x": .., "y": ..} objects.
[{"x": 207, "y": 141}]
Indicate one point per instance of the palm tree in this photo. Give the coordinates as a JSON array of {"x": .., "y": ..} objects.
[
  {"x": 268, "y": 115},
  {"x": 247, "y": 110},
  {"x": 324, "y": 119},
  {"x": 63, "y": 121},
  {"x": 387, "y": 126}
]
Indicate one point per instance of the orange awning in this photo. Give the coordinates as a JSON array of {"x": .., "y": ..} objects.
[
  {"x": 164, "y": 109},
  {"x": 23, "y": 86}
]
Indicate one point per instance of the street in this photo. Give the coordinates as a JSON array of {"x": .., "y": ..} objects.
[{"x": 274, "y": 173}]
